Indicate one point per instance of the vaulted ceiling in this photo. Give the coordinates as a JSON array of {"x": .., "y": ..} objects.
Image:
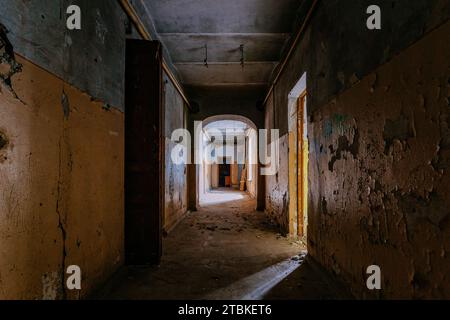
[{"x": 192, "y": 30}]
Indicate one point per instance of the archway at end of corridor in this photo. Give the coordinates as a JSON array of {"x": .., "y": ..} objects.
[{"x": 228, "y": 167}]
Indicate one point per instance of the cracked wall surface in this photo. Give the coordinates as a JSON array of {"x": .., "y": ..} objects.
[
  {"x": 61, "y": 183},
  {"x": 61, "y": 147},
  {"x": 37, "y": 31},
  {"x": 378, "y": 137}
]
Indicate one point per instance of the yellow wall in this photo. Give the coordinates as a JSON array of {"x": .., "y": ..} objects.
[{"x": 61, "y": 187}]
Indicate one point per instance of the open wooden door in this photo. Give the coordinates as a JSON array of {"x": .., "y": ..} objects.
[{"x": 144, "y": 152}]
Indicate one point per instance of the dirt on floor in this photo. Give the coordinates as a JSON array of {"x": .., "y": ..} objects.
[{"x": 225, "y": 250}]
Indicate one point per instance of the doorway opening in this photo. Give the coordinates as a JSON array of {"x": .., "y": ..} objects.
[
  {"x": 298, "y": 161},
  {"x": 228, "y": 167},
  {"x": 224, "y": 174}
]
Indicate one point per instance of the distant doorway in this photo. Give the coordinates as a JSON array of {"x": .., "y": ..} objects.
[
  {"x": 228, "y": 156},
  {"x": 224, "y": 175}
]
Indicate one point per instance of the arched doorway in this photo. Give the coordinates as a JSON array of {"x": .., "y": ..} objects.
[{"x": 228, "y": 166}]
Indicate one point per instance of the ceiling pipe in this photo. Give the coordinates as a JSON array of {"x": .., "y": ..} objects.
[
  {"x": 291, "y": 50},
  {"x": 131, "y": 13}
]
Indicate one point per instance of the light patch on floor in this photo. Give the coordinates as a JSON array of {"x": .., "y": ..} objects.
[
  {"x": 256, "y": 286},
  {"x": 221, "y": 195}
]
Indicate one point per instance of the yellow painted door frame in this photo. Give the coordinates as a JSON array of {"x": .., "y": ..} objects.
[{"x": 302, "y": 168}]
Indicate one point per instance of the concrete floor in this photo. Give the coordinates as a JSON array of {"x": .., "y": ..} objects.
[{"x": 226, "y": 250}]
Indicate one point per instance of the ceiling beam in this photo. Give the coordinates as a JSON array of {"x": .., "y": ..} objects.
[
  {"x": 225, "y": 34},
  {"x": 225, "y": 73},
  {"x": 233, "y": 16},
  {"x": 202, "y": 84}
]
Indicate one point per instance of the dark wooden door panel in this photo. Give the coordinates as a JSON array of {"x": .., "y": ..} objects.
[{"x": 143, "y": 152}]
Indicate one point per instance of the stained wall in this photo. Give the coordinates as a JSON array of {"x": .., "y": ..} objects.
[
  {"x": 61, "y": 148},
  {"x": 61, "y": 182}
]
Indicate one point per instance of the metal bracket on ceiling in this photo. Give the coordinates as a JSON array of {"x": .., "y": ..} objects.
[
  {"x": 241, "y": 48},
  {"x": 206, "y": 56}
]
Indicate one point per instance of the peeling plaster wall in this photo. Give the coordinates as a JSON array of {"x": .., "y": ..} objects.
[
  {"x": 176, "y": 202},
  {"x": 277, "y": 200},
  {"x": 61, "y": 187},
  {"x": 377, "y": 110},
  {"x": 276, "y": 186},
  {"x": 380, "y": 176}
]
